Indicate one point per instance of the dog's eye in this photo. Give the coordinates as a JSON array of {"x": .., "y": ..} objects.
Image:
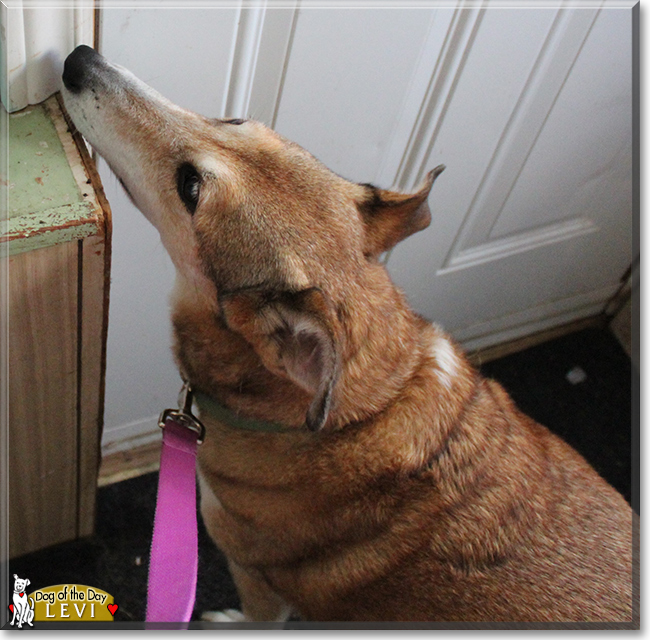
[
  {"x": 234, "y": 121},
  {"x": 189, "y": 186}
]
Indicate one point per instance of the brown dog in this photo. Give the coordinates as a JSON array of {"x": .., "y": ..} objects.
[{"x": 356, "y": 467}]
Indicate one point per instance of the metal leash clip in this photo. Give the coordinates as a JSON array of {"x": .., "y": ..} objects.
[{"x": 183, "y": 415}]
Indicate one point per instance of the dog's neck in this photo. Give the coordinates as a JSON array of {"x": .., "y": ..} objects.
[{"x": 381, "y": 351}]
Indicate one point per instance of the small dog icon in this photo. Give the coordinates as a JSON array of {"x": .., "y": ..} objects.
[{"x": 22, "y": 610}]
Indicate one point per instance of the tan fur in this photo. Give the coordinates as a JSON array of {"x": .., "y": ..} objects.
[{"x": 419, "y": 492}]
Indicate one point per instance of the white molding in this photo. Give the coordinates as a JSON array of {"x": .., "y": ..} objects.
[
  {"x": 258, "y": 60},
  {"x": 84, "y": 23},
  {"x": 243, "y": 59},
  {"x": 276, "y": 37},
  {"x": 131, "y": 435},
  {"x": 432, "y": 51},
  {"x": 552, "y": 67},
  {"x": 519, "y": 243},
  {"x": 428, "y": 97}
]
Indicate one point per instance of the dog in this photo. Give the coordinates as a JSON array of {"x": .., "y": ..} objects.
[
  {"x": 22, "y": 609},
  {"x": 378, "y": 476}
]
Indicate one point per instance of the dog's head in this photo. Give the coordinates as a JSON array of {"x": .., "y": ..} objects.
[
  {"x": 266, "y": 231},
  {"x": 20, "y": 584}
]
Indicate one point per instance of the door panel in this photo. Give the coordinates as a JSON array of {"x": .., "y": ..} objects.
[
  {"x": 346, "y": 79},
  {"x": 596, "y": 95},
  {"x": 535, "y": 207}
]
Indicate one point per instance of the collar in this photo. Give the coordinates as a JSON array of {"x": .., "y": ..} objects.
[{"x": 208, "y": 406}]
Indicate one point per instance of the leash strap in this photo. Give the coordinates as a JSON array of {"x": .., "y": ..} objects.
[{"x": 173, "y": 561}]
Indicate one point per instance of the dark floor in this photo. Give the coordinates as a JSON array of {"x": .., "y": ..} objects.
[{"x": 593, "y": 413}]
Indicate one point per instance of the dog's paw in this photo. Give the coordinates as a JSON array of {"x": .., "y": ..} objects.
[{"x": 229, "y": 615}]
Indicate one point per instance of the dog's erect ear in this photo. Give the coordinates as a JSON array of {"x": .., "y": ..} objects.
[
  {"x": 391, "y": 216},
  {"x": 296, "y": 334}
]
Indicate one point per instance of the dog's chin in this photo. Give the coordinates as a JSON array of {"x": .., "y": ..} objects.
[
  {"x": 78, "y": 110},
  {"x": 88, "y": 130},
  {"x": 96, "y": 129}
]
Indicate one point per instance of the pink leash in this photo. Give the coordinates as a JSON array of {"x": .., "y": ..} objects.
[{"x": 174, "y": 549}]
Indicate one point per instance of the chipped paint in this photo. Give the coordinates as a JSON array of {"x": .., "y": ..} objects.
[
  {"x": 51, "y": 237},
  {"x": 45, "y": 204},
  {"x": 68, "y": 215},
  {"x": 35, "y": 151}
]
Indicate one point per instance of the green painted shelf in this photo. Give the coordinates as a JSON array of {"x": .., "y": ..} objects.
[{"x": 46, "y": 201}]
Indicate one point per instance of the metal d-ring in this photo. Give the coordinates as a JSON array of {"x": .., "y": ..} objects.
[{"x": 183, "y": 415}]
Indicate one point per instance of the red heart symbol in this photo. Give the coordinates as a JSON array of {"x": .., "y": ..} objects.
[
  {"x": 11, "y": 608},
  {"x": 112, "y": 608}
]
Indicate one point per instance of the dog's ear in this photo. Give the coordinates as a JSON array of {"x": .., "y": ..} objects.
[
  {"x": 296, "y": 334},
  {"x": 390, "y": 216}
]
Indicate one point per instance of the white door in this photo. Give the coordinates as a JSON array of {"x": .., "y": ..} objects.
[{"x": 530, "y": 109}]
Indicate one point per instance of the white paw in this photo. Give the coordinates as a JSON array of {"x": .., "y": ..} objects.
[{"x": 229, "y": 615}]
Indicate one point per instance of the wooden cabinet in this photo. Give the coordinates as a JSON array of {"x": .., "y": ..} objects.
[{"x": 55, "y": 256}]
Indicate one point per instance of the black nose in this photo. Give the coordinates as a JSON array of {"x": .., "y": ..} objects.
[{"x": 76, "y": 70}]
